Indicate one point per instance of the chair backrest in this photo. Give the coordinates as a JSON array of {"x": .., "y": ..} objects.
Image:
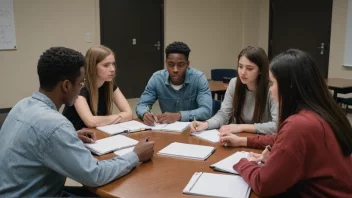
[
  {"x": 219, "y": 74},
  {"x": 216, "y": 106}
]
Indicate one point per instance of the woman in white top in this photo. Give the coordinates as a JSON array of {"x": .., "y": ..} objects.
[{"x": 248, "y": 105}]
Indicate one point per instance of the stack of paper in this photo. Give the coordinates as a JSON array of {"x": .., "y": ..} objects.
[
  {"x": 173, "y": 127},
  {"x": 189, "y": 151},
  {"x": 130, "y": 126},
  {"x": 217, "y": 185},
  {"x": 110, "y": 144},
  {"x": 226, "y": 165},
  {"x": 210, "y": 135}
]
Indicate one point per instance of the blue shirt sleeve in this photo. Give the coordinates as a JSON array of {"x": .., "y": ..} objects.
[
  {"x": 148, "y": 98},
  {"x": 66, "y": 154},
  {"x": 204, "y": 102}
]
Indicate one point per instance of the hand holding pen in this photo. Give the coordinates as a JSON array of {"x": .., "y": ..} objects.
[
  {"x": 144, "y": 150},
  {"x": 149, "y": 118}
]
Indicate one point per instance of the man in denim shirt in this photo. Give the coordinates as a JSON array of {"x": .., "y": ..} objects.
[
  {"x": 182, "y": 92},
  {"x": 40, "y": 147}
]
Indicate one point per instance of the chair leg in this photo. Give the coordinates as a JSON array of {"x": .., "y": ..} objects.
[{"x": 346, "y": 109}]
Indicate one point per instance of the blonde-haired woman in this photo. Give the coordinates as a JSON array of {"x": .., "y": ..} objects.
[{"x": 93, "y": 106}]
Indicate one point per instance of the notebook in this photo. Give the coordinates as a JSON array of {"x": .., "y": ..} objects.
[
  {"x": 226, "y": 165},
  {"x": 173, "y": 127},
  {"x": 189, "y": 151},
  {"x": 125, "y": 127},
  {"x": 124, "y": 151},
  {"x": 110, "y": 144},
  {"x": 210, "y": 135},
  {"x": 217, "y": 185}
]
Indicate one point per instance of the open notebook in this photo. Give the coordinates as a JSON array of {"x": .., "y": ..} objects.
[
  {"x": 110, "y": 144},
  {"x": 130, "y": 126},
  {"x": 217, "y": 185},
  {"x": 210, "y": 135},
  {"x": 226, "y": 165},
  {"x": 189, "y": 151},
  {"x": 173, "y": 127}
]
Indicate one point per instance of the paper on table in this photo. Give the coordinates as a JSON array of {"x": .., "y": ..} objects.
[
  {"x": 190, "y": 151},
  {"x": 210, "y": 135}
]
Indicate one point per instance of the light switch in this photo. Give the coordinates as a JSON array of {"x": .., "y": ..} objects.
[
  {"x": 134, "y": 41},
  {"x": 88, "y": 37}
]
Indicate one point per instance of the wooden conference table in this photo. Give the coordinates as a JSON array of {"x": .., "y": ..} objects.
[
  {"x": 339, "y": 85},
  {"x": 163, "y": 176}
]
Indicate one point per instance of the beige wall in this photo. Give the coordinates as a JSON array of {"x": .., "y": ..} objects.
[
  {"x": 215, "y": 30},
  {"x": 212, "y": 29},
  {"x": 41, "y": 24},
  {"x": 337, "y": 42}
]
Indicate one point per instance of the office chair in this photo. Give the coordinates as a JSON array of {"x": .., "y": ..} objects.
[
  {"x": 216, "y": 106},
  {"x": 224, "y": 75},
  {"x": 346, "y": 101}
]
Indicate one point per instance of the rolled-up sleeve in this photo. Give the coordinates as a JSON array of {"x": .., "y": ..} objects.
[
  {"x": 66, "y": 154},
  {"x": 204, "y": 102},
  {"x": 148, "y": 98}
]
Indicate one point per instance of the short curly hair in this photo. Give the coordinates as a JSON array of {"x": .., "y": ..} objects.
[
  {"x": 179, "y": 48},
  {"x": 57, "y": 64}
]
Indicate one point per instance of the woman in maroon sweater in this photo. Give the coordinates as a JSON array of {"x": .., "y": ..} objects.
[{"x": 311, "y": 154}]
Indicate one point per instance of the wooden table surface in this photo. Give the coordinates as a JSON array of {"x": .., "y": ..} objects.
[
  {"x": 217, "y": 86},
  {"x": 163, "y": 176},
  {"x": 339, "y": 83}
]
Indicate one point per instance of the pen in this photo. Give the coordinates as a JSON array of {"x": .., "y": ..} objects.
[
  {"x": 150, "y": 111},
  {"x": 147, "y": 139},
  {"x": 140, "y": 129},
  {"x": 195, "y": 122}
]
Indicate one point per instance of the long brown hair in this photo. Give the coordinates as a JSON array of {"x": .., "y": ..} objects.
[
  {"x": 301, "y": 86},
  {"x": 257, "y": 56},
  {"x": 94, "y": 56}
]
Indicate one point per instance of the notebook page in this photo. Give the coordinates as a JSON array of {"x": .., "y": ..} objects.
[
  {"x": 133, "y": 125},
  {"x": 177, "y": 149},
  {"x": 112, "y": 129},
  {"x": 210, "y": 135},
  {"x": 124, "y": 151},
  {"x": 220, "y": 185},
  {"x": 112, "y": 143},
  {"x": 226, "y": 164}
]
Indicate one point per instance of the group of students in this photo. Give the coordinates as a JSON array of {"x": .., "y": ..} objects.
[{"x": 287, "y": 104}]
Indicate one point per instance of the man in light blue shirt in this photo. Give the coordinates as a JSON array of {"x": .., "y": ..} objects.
[
  {"x": 40, "y": 147},
  {"x": 183, "y": 92}
]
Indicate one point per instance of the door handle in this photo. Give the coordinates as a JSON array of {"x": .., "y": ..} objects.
[
  {"x": 321, "y": 47},
  {"x": 157, "y": 45}
]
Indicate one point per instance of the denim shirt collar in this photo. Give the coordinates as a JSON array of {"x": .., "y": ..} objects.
[
  {"x": 187, "y": 76},
  {"x": 42, "y": 97}
]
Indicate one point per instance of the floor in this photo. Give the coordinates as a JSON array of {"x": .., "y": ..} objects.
[{"x": 156, "y": 109}]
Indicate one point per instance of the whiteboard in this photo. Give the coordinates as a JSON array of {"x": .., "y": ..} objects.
[
  {"x": 347, "y": 62},
  {"x": 7, "y": 25}
]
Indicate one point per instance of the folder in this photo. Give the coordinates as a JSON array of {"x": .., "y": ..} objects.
[
  {"x": 226, "y": 165},
  {"x": 189, "y": 151},
  {"x": 217, "y": 185},
  {"x": 111, "y": 144}
]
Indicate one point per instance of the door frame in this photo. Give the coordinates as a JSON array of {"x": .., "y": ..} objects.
[
  {"x": 271, "y": 18},
  {"x": 162, "y": 30}
]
